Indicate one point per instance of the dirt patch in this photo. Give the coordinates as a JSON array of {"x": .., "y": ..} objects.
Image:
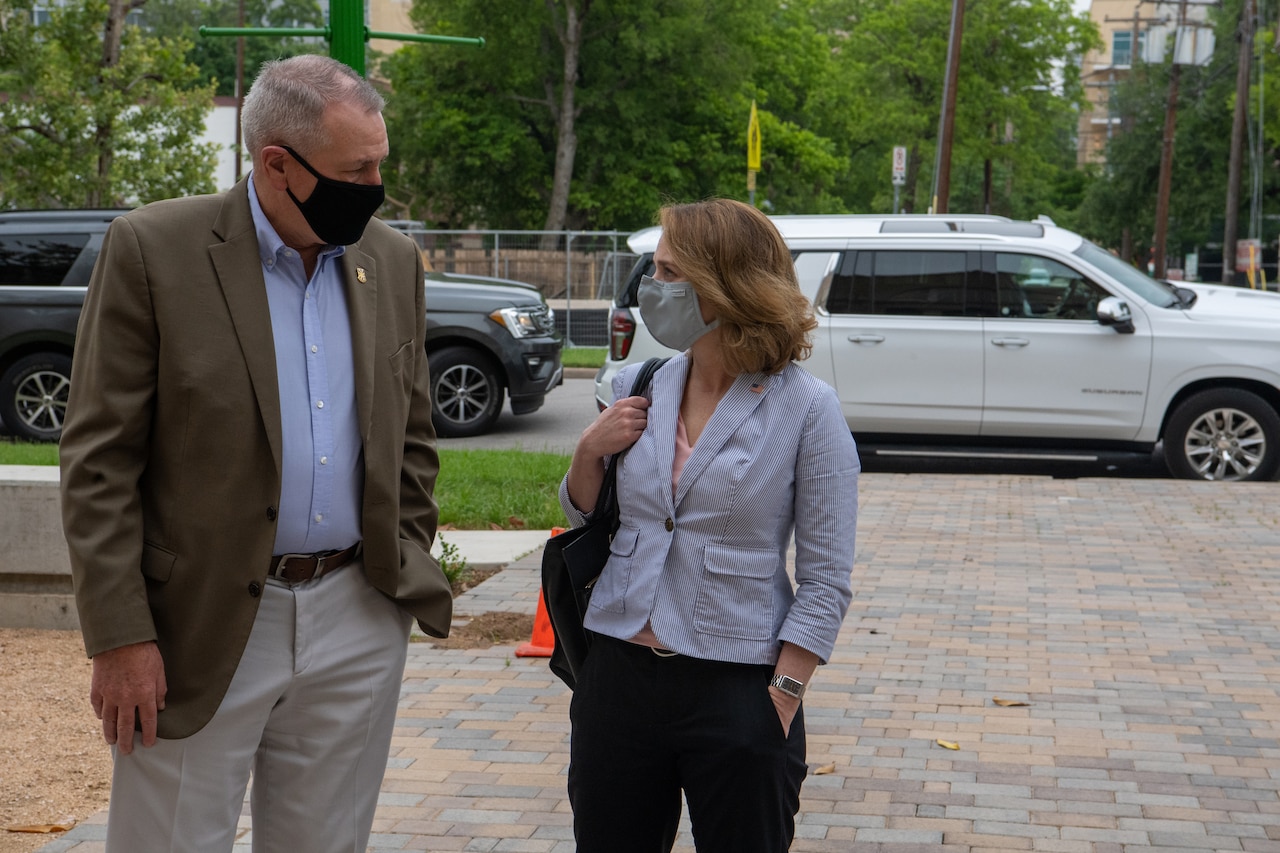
[
  {"x": 494, "y": 628},
  {"x": 54, "y": 764}
]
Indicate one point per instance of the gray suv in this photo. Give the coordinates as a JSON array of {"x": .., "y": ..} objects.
[{"x": 487, "y": 339}]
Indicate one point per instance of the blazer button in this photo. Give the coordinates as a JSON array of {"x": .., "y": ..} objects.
[
  {"x": 669, "y": 524},
  {"x": 255, "y": 589},
  {"x": 271, "y": 513}
]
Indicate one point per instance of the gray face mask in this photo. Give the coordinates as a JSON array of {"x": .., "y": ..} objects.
[{"x": 671, "y": 312}]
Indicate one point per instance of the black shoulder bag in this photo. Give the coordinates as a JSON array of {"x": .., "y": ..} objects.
[{"x": 573, "y": 560}]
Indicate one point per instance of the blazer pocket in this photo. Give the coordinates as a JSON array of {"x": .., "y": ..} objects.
[
  {"x": 736, "y": 597},
  {"x": 401, "y": 357},
  {"x": 610, "y": 592},
  {"x": 157, "y": 563}
]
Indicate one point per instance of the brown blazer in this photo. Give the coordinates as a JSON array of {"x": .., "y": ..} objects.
[{"x": 171, "y": 447}]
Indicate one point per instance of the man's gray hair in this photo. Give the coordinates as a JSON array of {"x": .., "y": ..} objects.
[{"x": 286, "y": 104}]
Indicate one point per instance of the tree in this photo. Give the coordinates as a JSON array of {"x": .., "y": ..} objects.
[
  {"x": 216, "y": 55},
  {"x": 660, "y": 100},
  {"x": 98, "y": 113}
]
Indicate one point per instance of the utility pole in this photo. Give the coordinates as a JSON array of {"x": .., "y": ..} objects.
[
  {"x": 1230, "y": 232},
  {"x": 1166, "y": 155},
  {"x": 946, "y": 122}
]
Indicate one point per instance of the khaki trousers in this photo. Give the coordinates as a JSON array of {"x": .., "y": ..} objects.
[{"x": 309, "y": 715}]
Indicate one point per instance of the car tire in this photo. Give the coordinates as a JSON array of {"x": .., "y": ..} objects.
[
  {"x": 466, "y": 392},
  {"x": 33, "y": 403},
  {"x": 1223, "y": 434}
]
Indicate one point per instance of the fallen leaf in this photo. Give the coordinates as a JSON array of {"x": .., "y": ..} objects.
[
  {"x": 446, "y": 526},
  {"x": 824, "y": 770},
  {"x": 515, "y": 522},
  {"x": 1010, "y": 703},
  {"x": 64, "y": 826},
  {"x": 948, "y": 744},
  {"x": 493, "y": 525}
]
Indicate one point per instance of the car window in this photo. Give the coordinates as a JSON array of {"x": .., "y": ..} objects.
[
  {"x": 1037, "y": 287},
  {"x": 911, "y": 283},
  {"x": 40, "y": 259},
  {"x": 814, "y": 271}
]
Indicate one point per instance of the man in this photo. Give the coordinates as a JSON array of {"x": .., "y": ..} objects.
[{"x": 247, "y": 474}]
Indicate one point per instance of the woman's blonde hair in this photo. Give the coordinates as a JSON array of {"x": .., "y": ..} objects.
[{"x": 741, "y": 268}]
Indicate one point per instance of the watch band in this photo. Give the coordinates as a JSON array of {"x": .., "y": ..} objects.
[{"x": 788, "y": 685}]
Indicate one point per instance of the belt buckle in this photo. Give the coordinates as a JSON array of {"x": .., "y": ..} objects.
[{"x": 283, "y": 563}]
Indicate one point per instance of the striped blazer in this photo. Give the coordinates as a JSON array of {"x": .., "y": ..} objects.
[{"x": 709, "y": 568}]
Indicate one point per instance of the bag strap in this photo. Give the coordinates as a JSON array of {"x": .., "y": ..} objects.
[{"x": 608, "y": 488}]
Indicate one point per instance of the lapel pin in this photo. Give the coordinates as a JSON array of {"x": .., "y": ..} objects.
[{"x": 360, "y": 275}]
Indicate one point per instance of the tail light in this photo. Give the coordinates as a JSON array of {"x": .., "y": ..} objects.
[{"x": 622, "y": 330}]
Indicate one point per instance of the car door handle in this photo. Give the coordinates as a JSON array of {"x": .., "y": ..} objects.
[
  {"x": 866, "y": 339},
  {"x": 1010, "y": 342}
]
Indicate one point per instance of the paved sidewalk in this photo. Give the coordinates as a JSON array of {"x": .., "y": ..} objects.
[{"x": 1138, "y": 620}]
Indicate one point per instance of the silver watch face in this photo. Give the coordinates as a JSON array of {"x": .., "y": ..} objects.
[{"x": 788, "y": 685}]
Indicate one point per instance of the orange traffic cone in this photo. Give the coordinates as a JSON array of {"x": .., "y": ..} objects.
[{"x": 543, "y": 641}]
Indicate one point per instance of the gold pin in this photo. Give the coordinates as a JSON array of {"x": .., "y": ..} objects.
[{"x": 360, "y": 276}]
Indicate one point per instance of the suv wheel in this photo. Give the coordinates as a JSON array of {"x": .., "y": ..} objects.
[
  {"x": 466, "y": 393},
  {"x": 33, "y": 402},
  {"x": 1223, "y": 434}
]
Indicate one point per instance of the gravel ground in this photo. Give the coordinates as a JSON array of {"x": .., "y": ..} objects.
[{"x": 54, "y": 765}]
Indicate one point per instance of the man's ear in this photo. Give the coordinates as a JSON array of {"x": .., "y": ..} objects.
[{"x": 273, "y": 164}]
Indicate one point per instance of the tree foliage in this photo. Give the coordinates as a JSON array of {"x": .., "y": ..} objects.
[
  {"x": 663, "y": 91},
  {"x": 216, "y": 55},
  {"x": 86, "y": 126}
]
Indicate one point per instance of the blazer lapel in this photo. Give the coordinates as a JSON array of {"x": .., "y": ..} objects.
[
  {"x": 359, "y": 273},
  {"x": 665, "y": 391},
  {"x": 238, "y": 265},
  {"x": 734, "y": 408}
]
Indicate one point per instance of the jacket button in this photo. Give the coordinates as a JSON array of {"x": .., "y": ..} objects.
[
  {"x": 255, "y": 589},
  {"x": 669, "y": 524},
  {"x": 271, "y": 513}
]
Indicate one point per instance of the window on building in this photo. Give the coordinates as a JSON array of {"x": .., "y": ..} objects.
[{"x": 1122, "y": 46}]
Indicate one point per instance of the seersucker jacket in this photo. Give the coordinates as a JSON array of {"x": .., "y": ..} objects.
[{"x": 708, "y": 568}]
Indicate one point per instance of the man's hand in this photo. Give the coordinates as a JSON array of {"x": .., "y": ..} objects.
[{"x": 128, "y": 684}]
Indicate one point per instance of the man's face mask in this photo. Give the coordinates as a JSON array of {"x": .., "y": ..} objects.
[
  {"x": 337, "y": 211},
  {"x": 671, "y": 312}
]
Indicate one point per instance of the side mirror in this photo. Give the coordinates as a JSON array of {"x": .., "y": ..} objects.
[{"x": 1115, "y": 313}]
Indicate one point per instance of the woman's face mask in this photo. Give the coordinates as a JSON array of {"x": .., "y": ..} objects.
[
  {"x": 337, "y": 211},
  {"x": 671, "y": 312}
]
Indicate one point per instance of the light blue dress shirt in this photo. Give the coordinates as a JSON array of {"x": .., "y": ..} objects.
[{"x": 322, "y": 472}]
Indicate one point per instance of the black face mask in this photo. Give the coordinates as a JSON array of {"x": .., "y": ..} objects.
[{"x": 337, "y": 211}]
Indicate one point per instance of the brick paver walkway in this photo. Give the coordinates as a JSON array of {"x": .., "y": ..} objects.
[{"x": 1139, "y": 620}]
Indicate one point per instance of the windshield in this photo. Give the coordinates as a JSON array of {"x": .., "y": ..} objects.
[{"x": 1156, "y": 292}]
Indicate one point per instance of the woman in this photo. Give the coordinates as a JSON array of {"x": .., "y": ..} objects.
[{"x": 701, "y": 647}]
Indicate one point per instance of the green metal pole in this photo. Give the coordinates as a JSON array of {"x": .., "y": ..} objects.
[{"x": 346, "y": 25}]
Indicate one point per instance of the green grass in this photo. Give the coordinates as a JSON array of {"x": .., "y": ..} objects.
[
  {"x": 480, "y": 487},
  {"x": 476, "y": 488},
  {"x": 583, "y": 356},
  {"x": 13, "y": 452}
]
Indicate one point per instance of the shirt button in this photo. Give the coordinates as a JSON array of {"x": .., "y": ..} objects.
[
  {"x": 315, "y": 348},
  {"x": 271, "y": 513},
  {"x": 319, "y": 404},
  {"x": 255, "y": 589},
  {"x": 669, "y": 524},
  {"x": 324, "y": 460},
  {"x": 319, "y": 518}
]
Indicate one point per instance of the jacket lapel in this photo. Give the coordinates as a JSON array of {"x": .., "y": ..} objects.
[
  {"x": 238, "y": 266},
  {"x": 359, "y": 273},
  {"x": 731, "y": 412},
  {"x": 666, "y": 390}
]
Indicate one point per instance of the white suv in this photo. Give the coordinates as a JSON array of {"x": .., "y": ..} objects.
[{"x": 972, "y": 336}]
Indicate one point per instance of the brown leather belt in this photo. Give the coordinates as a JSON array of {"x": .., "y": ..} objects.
[{"x": 296, "y": 568}]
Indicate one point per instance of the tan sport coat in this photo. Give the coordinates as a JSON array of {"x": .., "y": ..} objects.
[{"x": 171, "y": 451}]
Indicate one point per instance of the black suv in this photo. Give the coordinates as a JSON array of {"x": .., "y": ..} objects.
[{"x": 486, "y": 338}]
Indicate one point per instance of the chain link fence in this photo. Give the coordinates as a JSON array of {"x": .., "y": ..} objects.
[{"x": 577, "y": 272}]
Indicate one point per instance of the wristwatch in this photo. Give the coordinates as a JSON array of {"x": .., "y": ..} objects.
[{"x": 788, "y": 685}]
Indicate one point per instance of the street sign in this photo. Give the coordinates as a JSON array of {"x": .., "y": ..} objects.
[
  {"x": 753, "y": 140},
  {"x": 899, "y": 165}
]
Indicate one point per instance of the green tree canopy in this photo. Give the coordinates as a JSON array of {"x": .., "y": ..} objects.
[{"x": 90, "y": 123}]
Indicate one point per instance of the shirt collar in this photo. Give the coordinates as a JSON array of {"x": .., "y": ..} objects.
[{"x": 270, "y": 246}]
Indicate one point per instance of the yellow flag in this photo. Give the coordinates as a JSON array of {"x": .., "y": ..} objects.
[{"x": 753, "y": 141}]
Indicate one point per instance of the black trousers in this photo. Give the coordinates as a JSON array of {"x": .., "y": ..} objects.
[{"x": 646, "y": 727}]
